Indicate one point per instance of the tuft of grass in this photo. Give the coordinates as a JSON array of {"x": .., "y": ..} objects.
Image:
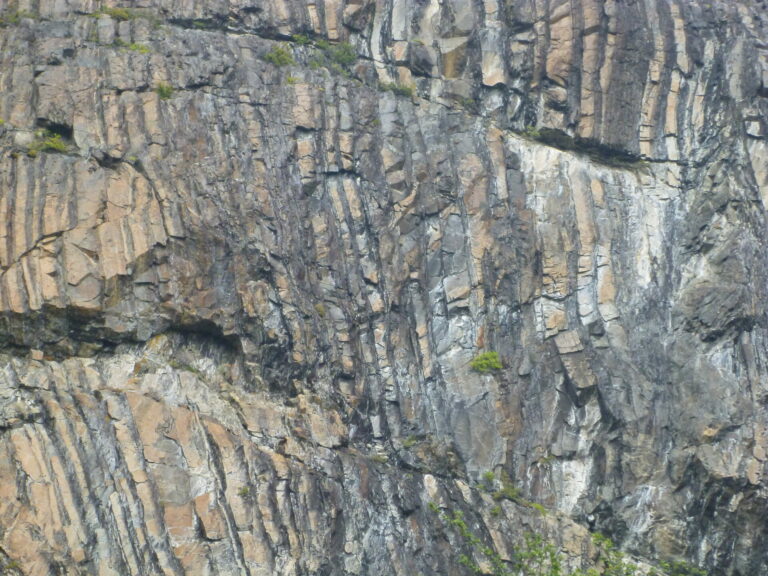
[
  {"x": 532, "y": 132},
  {"x": 164, "y": 91},
  {"x": 507, "y": 491},
  {"x": 14, "y": 18},
  {"x": 486, "y": 362},
  {"x": 119, "y": 14},
  {"x": 337, "y": 58},
  {"x": 140, "y": 48},
  {"x": 279, "y": 56},
  {"x": 54, "y": 143},
  {"x": 301, "y": 39},
  {"x": 410, "y": 442},
  {"x": 178, "y": 365},
  {"x": 338, "y": 69},
  {"x": 126, "y": 14},
  {"x": 134, "y": 46},
  {"x": 342, "y": 54},
  {"x": 398, "y": 89},
  {"x": 538, "y": 507},
  {"x": 46, "y": 141},
  {"x": 470, "y": 104},
  {"x": 536, "y": 556}
]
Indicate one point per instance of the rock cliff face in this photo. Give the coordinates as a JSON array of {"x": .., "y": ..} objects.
[{"x": 248, "y": 250}]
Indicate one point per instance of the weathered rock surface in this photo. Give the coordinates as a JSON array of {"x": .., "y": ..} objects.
[{"x": 238, "y": 300}]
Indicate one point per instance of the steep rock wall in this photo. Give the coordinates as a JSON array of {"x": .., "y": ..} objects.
[{"x": 239, "y": 300}]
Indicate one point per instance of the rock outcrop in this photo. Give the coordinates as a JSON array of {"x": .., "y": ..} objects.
[{"x": 248, "y": 250}]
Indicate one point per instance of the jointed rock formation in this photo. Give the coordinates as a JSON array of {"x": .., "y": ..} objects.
[{"x": 248, "y": 250}]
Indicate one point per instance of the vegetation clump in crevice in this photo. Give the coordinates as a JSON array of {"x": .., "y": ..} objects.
[
  {"x": 536, "y": 556},
  {"x": 119, "y": 14},
  {"x": 11, "y": 568},
  {"x": 429, "y": 455},
  {"x": 47, "y": 141},
  {"x": 410, "y": 442},
  {"x": 502, "y": 489},
  {"x": 486, "y": 362},
  {"x": 398, "y": 89},
  {"x": 301, "y": 39},
  {"x": 202, "y": 24},
  {"x": 164, "y": 91},
  {"x": 471, "y": 105},
  {"x": 128, "y": 14},
  {"x": 181, "y": 366},
  {"x": 342, "y": 54},
  {"x": 279, "y": 56},
  {"x": 132, "y": 46},
  {"x": 9, "y": 18},
  {"x": 337, "y": 57}
]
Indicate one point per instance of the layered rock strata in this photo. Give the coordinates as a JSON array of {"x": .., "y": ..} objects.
[{"x": 249, "y": 249}]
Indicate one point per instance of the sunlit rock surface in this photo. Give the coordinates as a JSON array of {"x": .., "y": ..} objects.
[{"x": 239, "y": 299}]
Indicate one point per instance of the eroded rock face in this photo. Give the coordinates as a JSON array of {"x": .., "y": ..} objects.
[{"x": 239, "y": 299}]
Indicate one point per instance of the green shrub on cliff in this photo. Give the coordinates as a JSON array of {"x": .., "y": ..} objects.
[
  {"x": 46, "y": 141},
  {"x": 301, "y": 39},
  {"x": 164, "y": 91},
  {"x": 399, "y": 89},
  {"x": 14, "y": 18},
  {"x": 536, "y": 556},
  {"x": 119, "y": 14},
  {"x": 486, "y": 362},
  {"x": 343, "y": 54},
  {"x": 681, "y": 569},
  {"x": 279, "y": 56},
  {"x": 337, "y": 58}
]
